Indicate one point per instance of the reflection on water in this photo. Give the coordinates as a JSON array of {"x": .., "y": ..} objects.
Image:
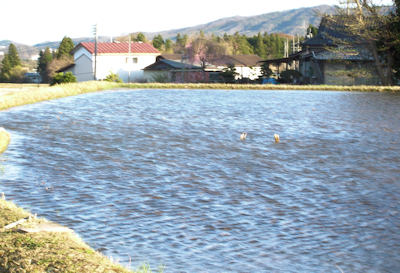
[{"x": 162, "y": 177}]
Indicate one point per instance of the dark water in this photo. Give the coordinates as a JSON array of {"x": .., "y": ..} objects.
[{"x": 162, "y": 177}]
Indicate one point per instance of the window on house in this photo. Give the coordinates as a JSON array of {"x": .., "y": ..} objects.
[{"x": 130, "y": 60}]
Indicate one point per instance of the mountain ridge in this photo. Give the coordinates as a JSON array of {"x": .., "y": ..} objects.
[{"x": 292, "y": 22}]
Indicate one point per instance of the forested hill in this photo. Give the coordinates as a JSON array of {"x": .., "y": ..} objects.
[{"x": 293, "y": 21}]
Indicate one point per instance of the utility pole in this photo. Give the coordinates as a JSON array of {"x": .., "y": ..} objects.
[
  {"x": 129, "y": 59},
  {"x": 294, "y": 45},
  {"x": 286, "y": 53},
  {"x": 95, "y": 52}
]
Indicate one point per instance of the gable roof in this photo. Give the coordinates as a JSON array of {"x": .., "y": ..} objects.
[
  {"x": 173, "y": 57},
  {"x": 238, "y": 60},
  {"x": 117, "y": 48},
  {"x": 68, "y": 66},
  {"x": 164, "y": 64},
  {"x": 332, "y": 30}
]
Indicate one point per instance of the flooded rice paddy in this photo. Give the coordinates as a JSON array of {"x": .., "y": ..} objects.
[{"x": 162, "y": 177}]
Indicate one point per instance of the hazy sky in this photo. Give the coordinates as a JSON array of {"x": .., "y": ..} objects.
[{"x": 30, "y": 22}]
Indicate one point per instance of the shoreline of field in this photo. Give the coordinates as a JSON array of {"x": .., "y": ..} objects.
[
  {"x": 19, "y": 94},
  {"x": 46, "y": 251}
]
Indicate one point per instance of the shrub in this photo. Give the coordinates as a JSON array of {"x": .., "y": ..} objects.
[
  {"x": 112, "y": 77},
  {"x": 229, "y": 74},
  {"x": 290, "y": 76},
  {"x": 63, "y": 78},
  {"x": 14, "y": 75}
]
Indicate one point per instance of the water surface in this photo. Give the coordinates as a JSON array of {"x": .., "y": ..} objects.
[{"x": 160, "y": 176}]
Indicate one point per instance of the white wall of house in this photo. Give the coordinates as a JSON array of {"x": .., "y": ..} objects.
[
  {"x": 83, "y": 69},
  {"x": 128, "y": 67},
  {"x": 252, "y": 73}
]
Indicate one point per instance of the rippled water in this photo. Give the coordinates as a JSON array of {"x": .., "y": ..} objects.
[{"x": 161, "y": 176}]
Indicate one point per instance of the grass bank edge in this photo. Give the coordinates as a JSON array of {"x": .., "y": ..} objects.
[
  {"x": 48, "y": 251},
  {"x": 43, "y": 93},
  {"x": 42, "y": 251}
]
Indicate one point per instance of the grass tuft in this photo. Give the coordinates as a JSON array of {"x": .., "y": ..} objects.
[
  {"x": 4, "y": 140},
  {"x": 48, "y": 251}
]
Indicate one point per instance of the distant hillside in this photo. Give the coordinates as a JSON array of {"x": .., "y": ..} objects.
[
  {"x": 25, "y": 52},
  {"x": 55, "y": 44},
  {"x": 292, "y": 22}
]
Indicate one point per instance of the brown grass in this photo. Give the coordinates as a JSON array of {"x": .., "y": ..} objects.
[
  {"x": 47, "y": 251},
  {"x": 4, "y": 140},
  {"x": 12, "y": 95}
]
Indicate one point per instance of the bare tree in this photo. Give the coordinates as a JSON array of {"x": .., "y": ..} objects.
[
  {"x": 204, "y": 51},
  {"x": 367, "y": 23}
]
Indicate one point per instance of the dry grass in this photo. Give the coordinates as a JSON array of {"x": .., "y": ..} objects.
[
  {"x": 4, "y": 140},
  {"x": 361, "y": 88},
  {"x": 36, "y": 94},
  {"x": 12, "y": 95},
  {"x": 47, "y": 251}
]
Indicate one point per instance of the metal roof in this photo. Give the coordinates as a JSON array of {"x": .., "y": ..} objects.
[
  {"x": 117, "y": 48},
  {"x": 164, "y": 64}
]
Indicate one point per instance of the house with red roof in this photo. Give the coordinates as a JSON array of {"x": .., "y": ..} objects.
[{"x": 124, "y": 59}]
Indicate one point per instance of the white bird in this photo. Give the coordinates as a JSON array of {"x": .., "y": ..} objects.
[{"x": 243, "y": 136}]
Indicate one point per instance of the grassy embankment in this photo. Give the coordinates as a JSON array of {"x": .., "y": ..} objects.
[
  {"x": 46, "y": 251},
  {"x": 15, "y": 95}
]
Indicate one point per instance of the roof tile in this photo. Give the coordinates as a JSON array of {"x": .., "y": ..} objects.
[{"x": 115, "y": 48}]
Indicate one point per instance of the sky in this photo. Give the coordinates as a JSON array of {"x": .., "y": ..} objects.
[{"x": 31, "y": 22}]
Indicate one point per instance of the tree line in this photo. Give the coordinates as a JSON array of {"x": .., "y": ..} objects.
[
  {"x": 51, "y": 61},
  {"x": 380, "y": 31},
  {"x": 264, "y": 44},
  {"x": 13, "y": 68}
]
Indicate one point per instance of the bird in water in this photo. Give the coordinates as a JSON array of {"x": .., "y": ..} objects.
[
  {"x": 4, "y": 139},
  {"x": 243, "y": 136},
  {"x": 276, "y": 136}
]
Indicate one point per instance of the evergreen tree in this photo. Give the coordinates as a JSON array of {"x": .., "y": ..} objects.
[
  {"x": 13, "y": 56},
  {"x": 158, "y": 42},
  {"x": 179, "y": 39},
  {"x": 259, "y": 47},
  {"x": 141, "y": 38},
  {"x": 45, "y": 58},
  {"x": 229, "y": 74},
  {"x": 180, "y": 43},
  {"x": 168, "y": 46},
  {"x": 11, "y": 70},
  {"x": 5, "y": 69},
  {"x": 201, "y": 33},
  {"x": 226, "y": 37},
  {"x": 265, "y": 70},
  {"x": 65, "y": 48}
]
